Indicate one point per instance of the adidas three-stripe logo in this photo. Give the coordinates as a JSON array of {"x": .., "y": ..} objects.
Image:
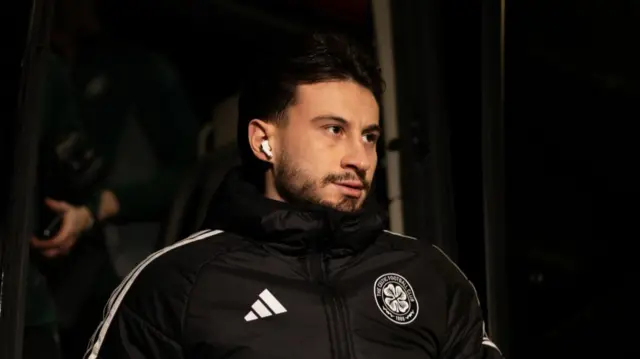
[{"x": 266, "y": 306}]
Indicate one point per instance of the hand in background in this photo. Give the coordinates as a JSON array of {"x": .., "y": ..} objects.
[{"x": 75, "y": 221}]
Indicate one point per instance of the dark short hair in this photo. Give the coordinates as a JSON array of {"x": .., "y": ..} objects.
[{"x": 271, "y": 83}]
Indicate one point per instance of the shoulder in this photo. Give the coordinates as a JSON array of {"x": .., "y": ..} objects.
[
  {"x": 177, "y": 265},
  {"x": 162, "y": 283},
  {"x": 434, "y": 260},
  {"x": 155, "y": 292},
  {"x": 439, "y": 271}
]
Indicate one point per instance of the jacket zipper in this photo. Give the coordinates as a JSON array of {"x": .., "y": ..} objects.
[{"x": 335, "y": 309}]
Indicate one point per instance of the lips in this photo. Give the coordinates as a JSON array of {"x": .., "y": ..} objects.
[
  {"x": 351, "y": 188},
  {"x": 351, "y": 184}
]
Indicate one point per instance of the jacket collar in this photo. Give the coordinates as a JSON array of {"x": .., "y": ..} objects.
[{"x": 238, "y": 207}]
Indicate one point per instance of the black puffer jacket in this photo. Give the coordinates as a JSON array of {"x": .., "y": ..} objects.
[{"x": 275, "y": 281}]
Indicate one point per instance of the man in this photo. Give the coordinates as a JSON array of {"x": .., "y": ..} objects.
[{"x": 298, "y": 264}]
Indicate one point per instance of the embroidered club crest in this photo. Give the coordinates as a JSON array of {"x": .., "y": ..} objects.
[{"x": 395, "y": 298}]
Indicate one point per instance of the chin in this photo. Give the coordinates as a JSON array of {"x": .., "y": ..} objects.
[
  {"x": 340, "y": 202},
  {"x": 347, "y": 205}
]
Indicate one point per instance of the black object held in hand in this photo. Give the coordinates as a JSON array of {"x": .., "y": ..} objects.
[{"x": 53, "y": 227}]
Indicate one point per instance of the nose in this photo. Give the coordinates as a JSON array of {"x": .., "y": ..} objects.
[{"x": 357, "y": 158}]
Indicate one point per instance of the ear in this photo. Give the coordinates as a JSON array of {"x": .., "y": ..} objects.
[{"x": 258, "y": 132}]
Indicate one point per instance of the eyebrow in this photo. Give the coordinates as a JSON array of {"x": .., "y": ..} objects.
[{"x": 341, "y": 120}]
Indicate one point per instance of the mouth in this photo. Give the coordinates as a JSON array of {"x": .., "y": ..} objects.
[{"x": 353, "y": 189}]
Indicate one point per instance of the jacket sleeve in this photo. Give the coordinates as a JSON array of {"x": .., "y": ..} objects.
[
  {"x": 130, "y": 336},
  {"x": 467, "y": 338}
]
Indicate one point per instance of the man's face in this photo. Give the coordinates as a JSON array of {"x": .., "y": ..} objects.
[{"x": 326, "y": 145}]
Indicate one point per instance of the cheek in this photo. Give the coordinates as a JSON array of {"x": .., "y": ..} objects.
[
  {"x": 374, "y": 163},
  {"x": 299, "y": 144},
  {"x": 311, "y": 153},
  {"x": 304, "y": 155}
]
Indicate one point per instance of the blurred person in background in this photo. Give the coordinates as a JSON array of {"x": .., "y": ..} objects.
[{"x": 109, "y": 168}]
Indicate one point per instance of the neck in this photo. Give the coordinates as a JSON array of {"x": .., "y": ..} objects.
[{"x": 270, "y": 190}]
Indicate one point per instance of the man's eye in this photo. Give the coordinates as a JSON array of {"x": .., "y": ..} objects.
[
  {"x": 335, "y": 130},
  {"x": 370, "y": 138}
]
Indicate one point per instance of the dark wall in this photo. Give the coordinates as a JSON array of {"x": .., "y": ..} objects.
[{"x": 573, "y": 194}]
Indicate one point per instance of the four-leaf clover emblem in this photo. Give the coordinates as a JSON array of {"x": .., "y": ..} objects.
[{"x": 395, "y": 298}]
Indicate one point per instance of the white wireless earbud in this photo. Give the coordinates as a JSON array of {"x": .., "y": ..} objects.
[{"x": 266, "y": 149}]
